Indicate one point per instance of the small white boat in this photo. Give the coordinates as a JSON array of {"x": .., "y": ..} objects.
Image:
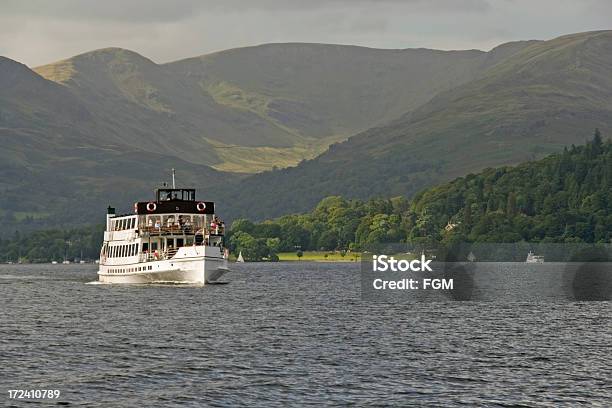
[
  {"x": 53, "y": 262},
  {"x": 66, "y": 262},
  {"x": 532, "y": 258},
  {"x": 240, "y": 258}
]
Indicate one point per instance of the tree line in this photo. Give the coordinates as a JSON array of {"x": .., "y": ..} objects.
[
  {"x": 563, "y": 198},
  {"x": 53, "y": 245}
]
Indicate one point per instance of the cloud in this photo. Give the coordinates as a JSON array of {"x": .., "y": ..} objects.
[{"x": 37, "y": 32}]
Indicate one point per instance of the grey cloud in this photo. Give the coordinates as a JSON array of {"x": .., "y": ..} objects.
[
  {"x": 176, "y": 10},
  {"x": 37, "y": 32}
]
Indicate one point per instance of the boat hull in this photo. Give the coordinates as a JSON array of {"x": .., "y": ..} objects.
[{"x": 180, "y": 269}]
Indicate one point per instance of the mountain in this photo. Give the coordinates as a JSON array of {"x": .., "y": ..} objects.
[
  {"x": 107, "y": 126},
  {"x": 56, "y": 166},
  {"x": 249, "y": 109},
  {"x": 533, "y": 101}
]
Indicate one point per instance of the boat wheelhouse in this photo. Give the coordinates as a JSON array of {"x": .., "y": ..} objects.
[{"x": 173, "y": 238}]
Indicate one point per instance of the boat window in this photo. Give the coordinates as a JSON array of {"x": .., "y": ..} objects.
[
  {"x": 153, "y": 246},
  {"x": 179, "y": 242}
]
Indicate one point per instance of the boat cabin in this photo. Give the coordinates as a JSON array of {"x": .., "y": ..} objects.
[
  {"x": 175, "y": 194},
  {"x": 158, "y": 228}
]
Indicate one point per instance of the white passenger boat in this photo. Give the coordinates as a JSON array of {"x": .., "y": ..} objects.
[{"x": 171, "y": 239}]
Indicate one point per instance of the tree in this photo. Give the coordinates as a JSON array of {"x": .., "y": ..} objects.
[{"x": 511, "y": 207}]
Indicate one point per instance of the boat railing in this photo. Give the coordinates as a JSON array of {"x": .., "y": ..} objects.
[{"x": 168, "y": 230}]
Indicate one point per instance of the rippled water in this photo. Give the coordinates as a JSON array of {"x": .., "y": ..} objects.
[{"x": 291, "y": 334}]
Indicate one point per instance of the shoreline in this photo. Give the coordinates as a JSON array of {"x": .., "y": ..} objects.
[{"x": 319, "y": 256}]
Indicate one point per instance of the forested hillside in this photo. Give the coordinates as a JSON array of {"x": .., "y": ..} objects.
[
  {"x": 53, "y": 245},
  {"x": 564, "y": 198}
]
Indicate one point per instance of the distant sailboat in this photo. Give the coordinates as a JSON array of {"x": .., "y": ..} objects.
[{"x": 240, "y": 258}]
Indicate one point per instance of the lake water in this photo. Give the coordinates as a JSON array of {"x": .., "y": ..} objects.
[{"x": 291, "y": 334}]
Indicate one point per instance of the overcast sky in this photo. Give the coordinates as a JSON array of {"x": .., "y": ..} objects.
[{"x": 36, "y": 32}]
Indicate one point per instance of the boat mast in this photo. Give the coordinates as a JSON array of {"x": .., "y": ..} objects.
[{"x": 173, "y": 184}]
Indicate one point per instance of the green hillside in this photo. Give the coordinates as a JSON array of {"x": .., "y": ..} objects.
[
  {"x": 250, "y": 109},
  {"x": 563, "y": 198},
  {"x": 566, "y": 197},
  {"x": 108, "y": 125},
  {"x": 525, "y": 106}
]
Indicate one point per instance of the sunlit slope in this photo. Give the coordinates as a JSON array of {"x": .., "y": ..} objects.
[
  {"x": 534, "y": 101},
  {"x": 56, "y": 168},
  {"x": 280, "y": 102}
]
